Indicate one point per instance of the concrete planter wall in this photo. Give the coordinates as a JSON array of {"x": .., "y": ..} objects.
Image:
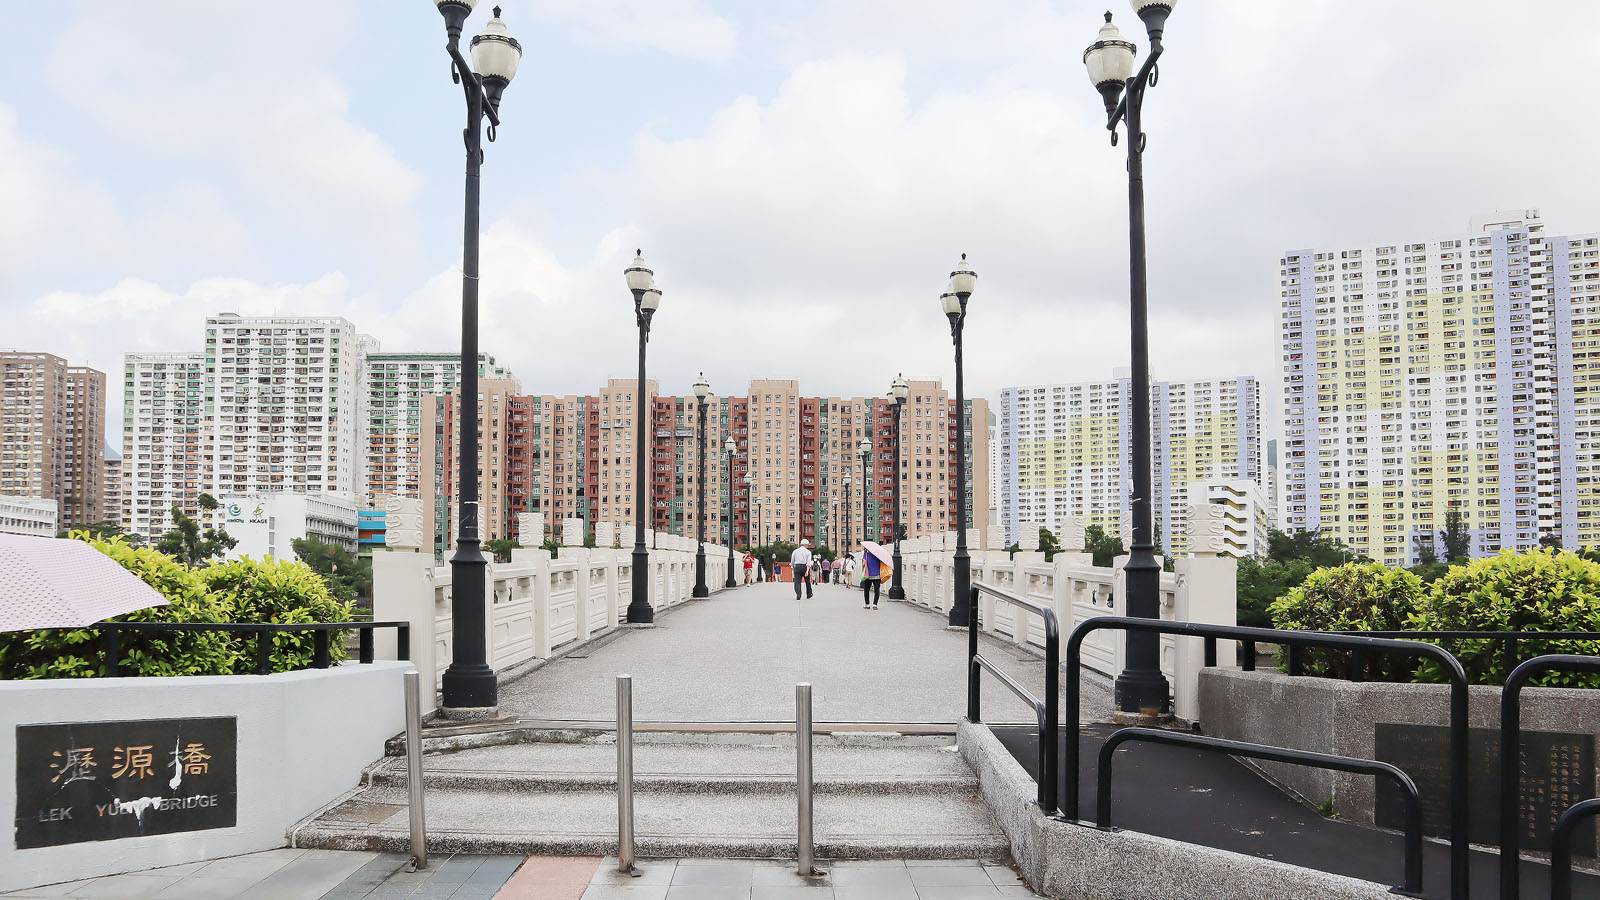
[
  {"x": 303, "y": 738},
  {"x": 1333, "y": 716}
]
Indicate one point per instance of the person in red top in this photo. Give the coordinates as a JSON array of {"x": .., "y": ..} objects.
[{"x": 749, "y": 567}]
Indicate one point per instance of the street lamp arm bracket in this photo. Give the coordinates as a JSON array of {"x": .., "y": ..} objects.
[{"x": 471, "y": 84}]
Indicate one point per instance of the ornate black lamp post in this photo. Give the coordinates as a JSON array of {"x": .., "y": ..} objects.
[
  {"x": 898, "y": 390},
  {"x": 1141, "y": 689},
  {"x": 646, "y": 300},
  {"x": 963, "y": 281},
  {"x": 837, "y": 535},
  {"x": 864, "y": 450},
  {"x": 731, "y": 449},
  {"x": 702, "y": 393},
  {"x": 469, "y": 682}
]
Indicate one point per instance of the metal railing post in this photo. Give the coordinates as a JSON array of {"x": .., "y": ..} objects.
[
  {"x": 419, "y": 836},
  {"x": 802, "y": 742},
  {"x": 625, "y": 848}
]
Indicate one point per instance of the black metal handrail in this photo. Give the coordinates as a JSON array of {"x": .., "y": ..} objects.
[
  {"x": 1510, "y": 652},
  {"x": 1510, "y": 757},
  {"x": 321, "y": 653},
  {"x": 1561, "y": 848},
  {"x": 1459, "y": 846},
  {"x": 1413, "y": 828},
  {"x": 1047, "y": 711}
]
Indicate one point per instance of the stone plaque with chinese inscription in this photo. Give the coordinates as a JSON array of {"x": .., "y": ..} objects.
[
  {"x": 1557, "y": 771},
  {"x": 100, "y": 781}
]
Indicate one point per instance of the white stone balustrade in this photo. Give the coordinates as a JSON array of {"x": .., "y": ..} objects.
[
  {"x": 1200, "y": 590},
  {"x": 536, "y": 605}
]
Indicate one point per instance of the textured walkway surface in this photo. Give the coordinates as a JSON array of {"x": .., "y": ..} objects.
[
  {"x": 331, "y": 875},
  {"x": 738, "y": 655}
]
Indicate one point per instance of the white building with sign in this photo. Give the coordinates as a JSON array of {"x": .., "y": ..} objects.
[{"x": 268, "y": 524}]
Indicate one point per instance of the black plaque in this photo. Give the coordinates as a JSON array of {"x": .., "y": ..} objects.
[
  {"x": 100, "y": 781},
  {"x": 1557, "y": 771}
]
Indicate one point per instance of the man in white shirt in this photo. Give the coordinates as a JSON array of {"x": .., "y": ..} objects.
[{"x": 800, "y": 561}]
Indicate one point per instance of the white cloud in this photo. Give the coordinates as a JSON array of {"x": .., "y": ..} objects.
[
  {"x": 247, "y": 88},
  {"x": 687, "y": 28}
]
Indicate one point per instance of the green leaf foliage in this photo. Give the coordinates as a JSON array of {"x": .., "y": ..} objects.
[
  {"x": 1537, "y": 590},
  {"x": 1350, "y": 597},
  {"x": 273, "y": 590},
  {"x": 244, "y": 590},
  {"x": 76, "y": 653}
]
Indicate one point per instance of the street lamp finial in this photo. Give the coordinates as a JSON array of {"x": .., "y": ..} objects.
[
  {"x": 1108, "y": 15},
  {"x": 497, "y": 12}
]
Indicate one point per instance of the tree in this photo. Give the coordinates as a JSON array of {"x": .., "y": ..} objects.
[
  {"x": 1550, "y": 540},
  {"x": 501, "y": 548},
  {"x": 1426, "y": 554},
  {"x": 188, "y": 544},
  {"x": 1049, "y": 543},
  {"x": 348, "y": 577},
  {"x": 1456, "y": 537},
  {"x": 103, "y": 531},
  {"x": 1320, "y": 551},
  {"x": 1105, "y": 548}
]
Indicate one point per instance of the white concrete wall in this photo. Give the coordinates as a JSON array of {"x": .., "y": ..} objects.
[
  {"x": 1201, "y": 590},
  {"x": 303, "y": 738},
  {"x": 536, "y": 605}
]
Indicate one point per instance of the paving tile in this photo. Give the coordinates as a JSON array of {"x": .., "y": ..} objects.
[
  {"x": 126, "y": 887},
  {"x": 728, "y": 874},
  {"x": 791, "y": 892},
  {"x": 626, "y": 892},
  {"x": 60, "y": 889},
  {"x": 868, "y": 864},
  {"x": 1016, "y": 891},
  {"x": 939, "y": 876},
  {"x": 959, "y": 892},
  {"x": 242, "y": 867},
  {"x": 1002, "y": 876},
  {"x": 657, "y": 872},
  {"x": 939, "y": 863},
  {"x": 874, "y": 892},
  {"x": 882, "y": 877},
  {"x": 199, "y": 887},
  {"x": 708, "y": 892},
  {"x": 771, "y": 875}
]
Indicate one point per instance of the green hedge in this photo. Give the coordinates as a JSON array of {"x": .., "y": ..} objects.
[
  {"x": 244, "y": 590},
  {"x": 1351, "y": 597},
  {"x": 1536, "y": 590}
]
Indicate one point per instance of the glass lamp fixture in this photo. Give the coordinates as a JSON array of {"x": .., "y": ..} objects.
[
  {"x": 1110, "y": 63},
  {"x": 963, "y": 281},
  {"x": 702, "y": 388},
  {"x": 951, "y": 304},
  {"x": 899, "y": 389},
  {"x": 640, "y": 276},
  {"x": 495, "y": 55},
  {"x": 1154, "y": 13},
  {"x": 729, "y": 447}
]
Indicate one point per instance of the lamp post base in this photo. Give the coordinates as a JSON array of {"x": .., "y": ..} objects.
[
  {"x": 470, "y": 687},
  {"x": 700, "y": 591},
  {"x": 1142, "y": 694},
  {"x": 469, "y": 713},
  {"x": 639, "y": 610}
]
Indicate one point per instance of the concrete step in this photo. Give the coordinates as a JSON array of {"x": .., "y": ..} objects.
[
  {"x": 695, "y": 764},
  {"x": 877, "y": 796},
  {"x": 745, "y": 825}
]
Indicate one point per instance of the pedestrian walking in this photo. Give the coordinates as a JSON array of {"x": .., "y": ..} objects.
[
  {"x": 823, "y": 567},
  {"x": 871, "y": 579},
  {"x": 800, "y": 561},
  {"x": 749, "y": 567}
]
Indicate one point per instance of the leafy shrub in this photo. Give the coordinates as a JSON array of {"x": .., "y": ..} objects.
[
  {"x": 76, "y": 652},
  {"x": 1537, "y": 590},
  {"x": 1351, "y": 597},
  {"x": 273, "y": 590}
]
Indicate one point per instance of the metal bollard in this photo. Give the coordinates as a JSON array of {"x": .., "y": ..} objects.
[
  {"x": 419, "y": 837},
  {"x": 802, "y": 742},
  {"x": 625, "y": 848}
]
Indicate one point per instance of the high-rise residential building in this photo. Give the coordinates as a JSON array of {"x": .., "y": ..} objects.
[
  {"x": 52, "y": 434},
  {"x": 1067, "y": 450},
  {"x": 111, "y": 480},
  {"x": 1246, "y": 517},
  {"x": 31, "y": 516},
  {"x": 394, "y": 388},
  {"x": 573, "y": 457},
  {"x": 283, "y": 394},
  {"x": 1445, "y": 372},
  {"x": 164, "y": 439}
]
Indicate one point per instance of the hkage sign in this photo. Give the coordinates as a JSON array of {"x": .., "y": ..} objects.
[{"x": 100, "y": 781}]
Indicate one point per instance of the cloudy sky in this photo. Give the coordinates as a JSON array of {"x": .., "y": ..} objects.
[{"x": 802, "y": 175}]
